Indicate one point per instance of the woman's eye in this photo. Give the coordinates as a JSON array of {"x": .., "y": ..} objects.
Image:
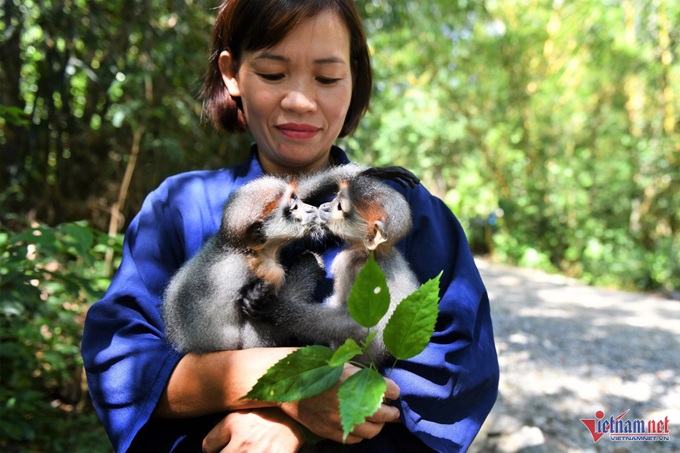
[
  {"x": 326, "y": 80},
  {"x": 271, "y": 77}
]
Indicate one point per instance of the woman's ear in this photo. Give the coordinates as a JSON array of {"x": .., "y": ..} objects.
[{"x": 229, "y": 75}]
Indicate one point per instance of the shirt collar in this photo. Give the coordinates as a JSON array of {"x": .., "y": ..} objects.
[
  {"x": 338, "y": 156},
  {"x": 251, "y": 169}
]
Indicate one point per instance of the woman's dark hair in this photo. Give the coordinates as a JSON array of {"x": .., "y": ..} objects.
[{"x": 251, "y": 25}]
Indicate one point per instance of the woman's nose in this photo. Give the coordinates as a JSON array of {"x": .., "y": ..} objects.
[{"x": 299, "y": 99}]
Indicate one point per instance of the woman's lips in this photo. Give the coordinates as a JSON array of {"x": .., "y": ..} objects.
[{"x": 297, "y": 131}]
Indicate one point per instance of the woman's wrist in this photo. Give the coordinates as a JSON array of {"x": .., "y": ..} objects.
[{"x": 216, "y": 382}]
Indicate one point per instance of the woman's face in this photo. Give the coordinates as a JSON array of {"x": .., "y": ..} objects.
[{"x": 296, "y": 94}]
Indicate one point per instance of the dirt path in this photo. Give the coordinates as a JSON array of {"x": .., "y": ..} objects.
[{"x": 566, "y": 351}]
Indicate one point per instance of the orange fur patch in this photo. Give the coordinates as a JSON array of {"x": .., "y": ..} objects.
[
  {"x": 267, "y": 269},
  {"x": 270, "y": 207}
]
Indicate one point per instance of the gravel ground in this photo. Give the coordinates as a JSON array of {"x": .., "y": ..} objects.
[{"x": 566, "y": 351}]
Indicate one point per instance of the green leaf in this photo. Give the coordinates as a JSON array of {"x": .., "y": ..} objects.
[
  {"x": 370, "y": 337},
  {"x": 301, "y": 374},
  {"x": 345, "y": 353},
  {"x": 369, "y": 298},
  {"x": 14, "y": 115},
  {"x": 411, "y": 326},
  {"x": 360, "y": 397},
  {"x": 78, "y": 236}
]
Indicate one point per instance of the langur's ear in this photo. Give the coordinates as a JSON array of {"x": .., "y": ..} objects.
[
  {"x": 255, "y": 237},
  {"x": 288, "y": 197},
  {"x": 378, "y": 235},
  {"x": 229, "y": 73}
]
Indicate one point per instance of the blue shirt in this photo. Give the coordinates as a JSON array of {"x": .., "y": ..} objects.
[{"x": 446, "y": 391}]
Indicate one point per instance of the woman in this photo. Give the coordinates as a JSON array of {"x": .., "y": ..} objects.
[{"x": 297, "y": 76}]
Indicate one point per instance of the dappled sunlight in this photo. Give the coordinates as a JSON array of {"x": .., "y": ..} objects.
[{"x": 567, "y": 350}]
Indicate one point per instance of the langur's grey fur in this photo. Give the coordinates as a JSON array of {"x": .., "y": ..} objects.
[
  {"x": 369, "y": 216},
  {"x": 216, "y": 300},
  {"x": 205, "y": 302}
]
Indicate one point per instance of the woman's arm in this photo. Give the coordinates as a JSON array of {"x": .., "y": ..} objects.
[
  {"x": 127, "y": 358},
  {"x": 216, "y": 382},
  {"x": 448, "y": 390}
]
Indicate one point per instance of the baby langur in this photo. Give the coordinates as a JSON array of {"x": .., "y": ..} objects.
[
  {"x": 369, "y": 216},
  {"x": 205, "y": 301}
]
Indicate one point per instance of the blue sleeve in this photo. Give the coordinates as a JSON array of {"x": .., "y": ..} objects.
[
  {"x": 448, "y": 390},
  {"x": 127, "y": 359}
]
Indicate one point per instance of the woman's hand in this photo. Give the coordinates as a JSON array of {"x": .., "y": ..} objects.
[
  {"x": 216, "y": 382},
  {"x": 321, "y": 413},
  {"x": 266, "y": 430}
]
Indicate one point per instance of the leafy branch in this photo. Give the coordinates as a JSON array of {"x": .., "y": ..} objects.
[{"x": 312, "y": 370}]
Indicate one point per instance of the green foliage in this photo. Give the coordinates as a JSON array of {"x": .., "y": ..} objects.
[
  {"x": 302, "y": 374},
  {"x": 312, "y": 370},
  {"x": 360, "y": 397},
  {"x": 346, "y": 352},
  {"x": 79, "y": 81},
  {"x": 412, "y": 323},
  {"x": 563, "y": 116},
  {"x": 370, "y": 284},
  {"x": 48, "y": 278},
  {"x": 12, "y": 115}
]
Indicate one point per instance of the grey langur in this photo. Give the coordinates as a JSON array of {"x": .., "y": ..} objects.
[
  {"x": 369, "y": 216},
  {"x": 205, "y": 302},
  {"x": 216, "y": 299}
]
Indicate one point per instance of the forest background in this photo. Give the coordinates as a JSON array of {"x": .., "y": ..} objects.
[{"x": 551, "y": 129}]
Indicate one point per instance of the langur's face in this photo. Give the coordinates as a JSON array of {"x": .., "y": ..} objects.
[{"x": 296, "y": 94}]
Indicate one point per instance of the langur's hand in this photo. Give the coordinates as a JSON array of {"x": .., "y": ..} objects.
[
  {"x": 322, "y": 416},
  {"x": 395, "y": 173},
  {"x": 259, "y": 300},
  {"x": 255, "y": 431}
]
